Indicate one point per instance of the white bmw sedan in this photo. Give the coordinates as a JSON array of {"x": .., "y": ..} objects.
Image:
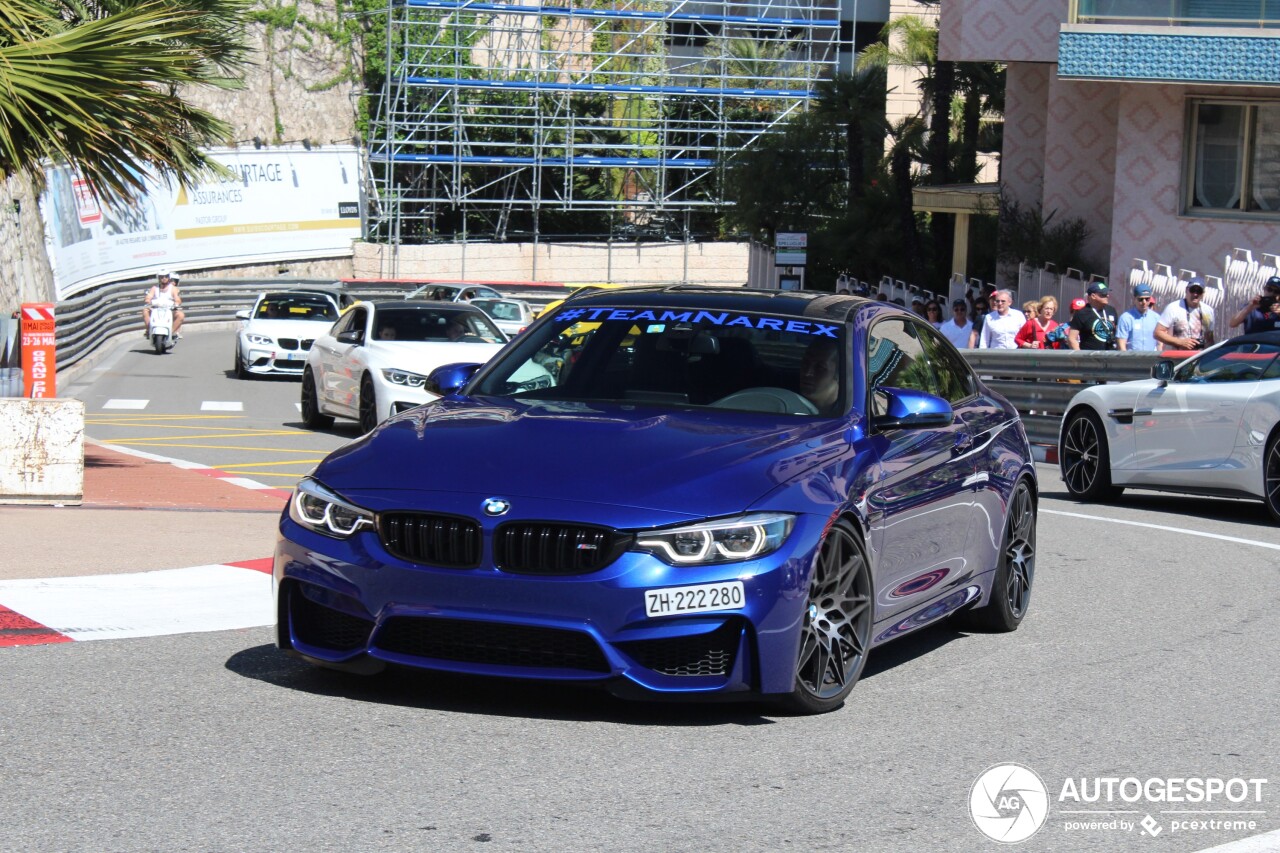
[
  {"x": 1207, "y": 426},
  {"x": 373, "y": 362},
  {"x": 276, "y": 333}
]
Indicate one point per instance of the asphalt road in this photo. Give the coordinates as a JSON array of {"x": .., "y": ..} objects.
[{"x": 1149, "y": 652}]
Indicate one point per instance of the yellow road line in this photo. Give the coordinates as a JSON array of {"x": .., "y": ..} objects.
[
  {"x": 211, "y": 436},
  {"x": 209, "y": 446},
  {"x": 294, "y": 477},
  {"x": 136, "y": 419},
  {"x": 251, "y": 464}
]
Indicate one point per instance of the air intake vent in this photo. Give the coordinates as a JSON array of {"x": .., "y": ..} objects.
[
  {"x": 324, "y": 627},
  {"x": 494, "y": 643},
  {"x": 546, "y": 548},
  {"x": 448, "y": 541},
  {"x": 701, "y": 654}
]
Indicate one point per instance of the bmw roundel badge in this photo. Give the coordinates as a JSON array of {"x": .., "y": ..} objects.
[{"x": 496, "y": 506}]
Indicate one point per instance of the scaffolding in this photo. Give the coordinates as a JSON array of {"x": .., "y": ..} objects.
[{"x": 497, "y": 119}]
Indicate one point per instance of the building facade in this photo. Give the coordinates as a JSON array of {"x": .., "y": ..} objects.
[{"x": 1155, "y": 121}]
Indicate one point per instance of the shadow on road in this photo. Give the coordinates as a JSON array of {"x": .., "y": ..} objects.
[{"x": 489, "y": 696}]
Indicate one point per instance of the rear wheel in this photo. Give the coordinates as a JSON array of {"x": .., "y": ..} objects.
[
  {"x": 1011, "y": 586},
  {"x": 368, "y": 405},
  {"x": 1085, "y": 459},
  {"x": 312, "y": 418},
  {"x": 835, "y": 633},
  {"x": 1271, "y": 476}
]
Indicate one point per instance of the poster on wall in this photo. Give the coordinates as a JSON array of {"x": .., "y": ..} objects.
[{"x": 282, "y": 204}]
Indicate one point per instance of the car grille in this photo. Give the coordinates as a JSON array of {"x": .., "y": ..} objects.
[
  {"x": 701, "y": 654},
  {"x": 492, "y": 643},
  {"x": 294, "y": 343},
  {"x": 324, "y": 627},
  {"x": 448, "y": 541},
  {"x": 543, "y": 548}
]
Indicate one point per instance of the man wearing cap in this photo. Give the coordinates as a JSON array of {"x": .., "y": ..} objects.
[
  {"x": 957, "y": 328},
  {"x": 1001, "y": 326},
  {"x": 166, "y": 285},
  {"x": 1188, "y": 323},
  {"x": 1136, "y": 330},
  {"x": 1262, "y": 314},
  {"x": 1093, "y": 327}
]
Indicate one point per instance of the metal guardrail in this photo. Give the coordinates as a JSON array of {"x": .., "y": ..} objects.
[
  {"x": 89, "y": 320},
  {"x": 1040, "y": 383}
]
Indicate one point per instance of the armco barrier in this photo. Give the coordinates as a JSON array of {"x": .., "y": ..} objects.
[{"x": 1042, "y": 382}]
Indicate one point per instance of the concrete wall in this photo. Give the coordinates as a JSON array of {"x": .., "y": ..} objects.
[{"x": 635, "y": 263}]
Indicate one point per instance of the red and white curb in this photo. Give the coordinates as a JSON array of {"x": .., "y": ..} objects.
[
  {"x": 243, "y": 482},
  {"x": 144, "y": 604}
]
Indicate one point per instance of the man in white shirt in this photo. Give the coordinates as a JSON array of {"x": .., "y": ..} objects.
[
  {"x": 1187, "y": 324},
  {"x": 1002, "y": 325},
  {"x": 957, "y": 329}
]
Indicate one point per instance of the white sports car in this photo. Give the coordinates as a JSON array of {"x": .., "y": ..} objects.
[
  {"x": 275, "y": 334},
  {"x": 373, "y": 362},
  {"x": 1209, "y": 426},
  {"x": 511, "y": 315}
]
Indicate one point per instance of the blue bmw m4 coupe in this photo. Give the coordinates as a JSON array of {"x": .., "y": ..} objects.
[{"x": 721, "y": 492}]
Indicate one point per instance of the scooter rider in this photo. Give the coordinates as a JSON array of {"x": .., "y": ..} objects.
[{"x": 166, "y": 285}]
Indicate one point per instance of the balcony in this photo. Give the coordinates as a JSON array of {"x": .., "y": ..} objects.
[{"x": 1236, "y": 14}]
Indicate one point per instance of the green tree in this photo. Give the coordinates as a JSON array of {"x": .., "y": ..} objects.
[
  {"x": 97, "y": 85},
  {"x": 856, "y": 101}
]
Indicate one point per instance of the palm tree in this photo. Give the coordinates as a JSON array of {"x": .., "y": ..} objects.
[
  {"x": 857, "y": 101},
  {"x": 96, "y": 85},
  {"x": 908, "y": 136}
]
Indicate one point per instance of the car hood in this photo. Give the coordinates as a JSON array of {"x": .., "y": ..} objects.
[
  {"x": 693, "y": 464},
  {"x": 422, "y": 356},
  {"x": 288, "y": 328}
]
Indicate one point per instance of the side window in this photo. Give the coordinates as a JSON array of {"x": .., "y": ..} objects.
[
  {"x": 354, "y": 321},
  {"x": 1240, "y": 363},
  {"x": 896, "y": 359},
  {"x": 951, "y": 374}
]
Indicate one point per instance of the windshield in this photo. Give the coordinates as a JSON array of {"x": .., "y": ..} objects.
[
  {"x": 683, "y": 358},
  {"x": 425, "y": 324},
  {"x": 294, "y": 306}
]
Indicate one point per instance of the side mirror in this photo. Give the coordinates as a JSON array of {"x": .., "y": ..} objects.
[
  {"x": 242, "y": 314},
  {"x": 449, "y": 378},
  {"x": 1162, "y": 370},
  {"x": 908, "y": 409},
  {"x": 351, "y": 336}
]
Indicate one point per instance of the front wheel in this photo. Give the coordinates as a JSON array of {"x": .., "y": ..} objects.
[
  {"x": 1011, "y": 584},
  {"x": 157, "y": 341},
  {"x": 1085, "y": 459},
  {"x": 1271, "y": 476},
  {"x": 835, "y": 631},
  {"x": 312, "y": 417},
  {"x": 368, "y": 405}
]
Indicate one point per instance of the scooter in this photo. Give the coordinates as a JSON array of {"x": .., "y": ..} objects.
[{"x": 161, "y": 329}]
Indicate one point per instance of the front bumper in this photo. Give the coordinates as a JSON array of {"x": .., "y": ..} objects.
[
  {"x": 258, "y": 359},
  {"x": 349, "y": 604}
]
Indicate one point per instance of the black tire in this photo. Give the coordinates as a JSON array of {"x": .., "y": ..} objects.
[
  {"x": 1085, "y": 459},
  {"x": 1015, "y": 573},
  {"x": 835, "y": 634},
  {"x": 241, "y": 373},
  {"x": 312, "y": 418},
  {"x": 368, "y": 405},
  {"x": 157, "y": 341},
  {"x": 1271, "y": 476}
]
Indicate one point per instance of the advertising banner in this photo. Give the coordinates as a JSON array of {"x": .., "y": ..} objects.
[
  {"x": 282, "y": 204},
  {"x": 39, "y": 358}
]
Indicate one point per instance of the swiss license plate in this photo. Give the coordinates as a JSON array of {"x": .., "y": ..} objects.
[{"x": 702, "y": 598}]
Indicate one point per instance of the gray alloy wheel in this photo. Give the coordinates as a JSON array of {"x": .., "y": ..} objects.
[
  {"x": 1271, "y": 476},
  {"x": 1015, "y": 573},
  {"x": 1085, "y": 459},
  {"x": 835, "y": 633},
  {"x": 312, "y": 418},
  {"x": 368, "y": 405}
]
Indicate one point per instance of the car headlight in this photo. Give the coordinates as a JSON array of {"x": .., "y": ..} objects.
[
  {"x": 403, "y": 377},
  {"x": 316, "y": 508},
  {"x": 723, "y": 540},
  {"x": 260, "y": 340}
]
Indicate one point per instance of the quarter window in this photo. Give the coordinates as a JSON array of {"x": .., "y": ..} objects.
[{"x": 1234, "y": 157}]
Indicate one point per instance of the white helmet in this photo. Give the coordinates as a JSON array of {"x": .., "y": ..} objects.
[{"x": 170, "y": 274}]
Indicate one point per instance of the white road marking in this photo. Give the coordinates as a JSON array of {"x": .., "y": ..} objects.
[
  {"x": 245, "y": 482},
  {"x": 215, "y": 406},
  {"x": 146, "y": 604},
  {"x": 1200, "y": 533},
  {"x": 125, "y": 404},
  {"x": 298, "y": 406}
]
